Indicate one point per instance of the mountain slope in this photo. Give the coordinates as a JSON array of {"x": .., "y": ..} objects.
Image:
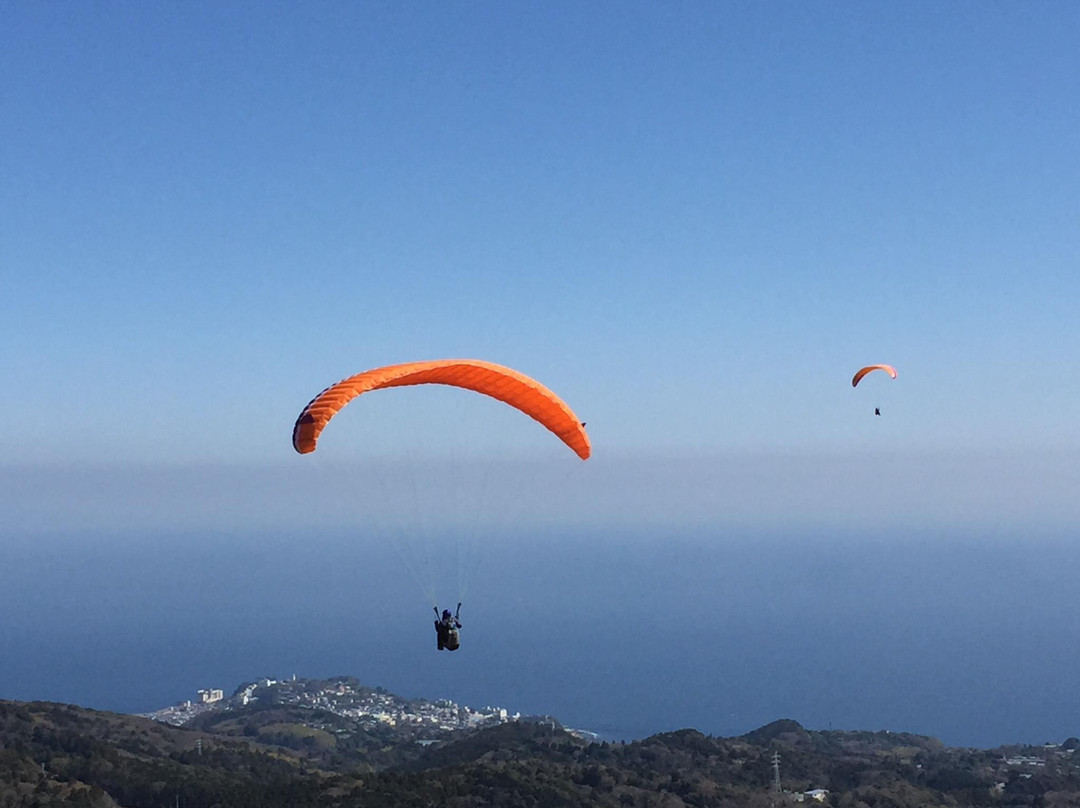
[{"x": 283, "y": 755}]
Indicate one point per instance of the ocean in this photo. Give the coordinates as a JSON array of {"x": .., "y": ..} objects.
[{"x": 972, "y": 639}]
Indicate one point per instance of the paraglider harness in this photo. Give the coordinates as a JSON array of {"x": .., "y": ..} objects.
[{"x": 446, "y": 629}]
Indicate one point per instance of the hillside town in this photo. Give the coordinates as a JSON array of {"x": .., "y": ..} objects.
[{"x": 343, "y": 696}]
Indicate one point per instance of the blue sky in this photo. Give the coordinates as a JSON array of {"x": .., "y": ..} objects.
[
  {"x": 693, "y": 221},
  {"x": 693, "y": 224}
]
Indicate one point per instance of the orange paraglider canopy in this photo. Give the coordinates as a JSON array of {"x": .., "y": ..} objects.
[
  {"x": 501, "y": 383},
  {"x": 870, "y": 368}
]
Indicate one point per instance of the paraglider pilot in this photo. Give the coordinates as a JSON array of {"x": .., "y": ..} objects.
[{"x": 446, "y": 629}]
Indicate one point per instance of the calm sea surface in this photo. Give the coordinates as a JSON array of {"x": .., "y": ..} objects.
[{"x": 971, "y": 639}]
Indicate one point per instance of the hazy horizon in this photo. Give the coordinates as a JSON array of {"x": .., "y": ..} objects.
[{"x": 873, "y": 488}]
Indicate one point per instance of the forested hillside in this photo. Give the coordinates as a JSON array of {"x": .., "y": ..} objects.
[{"x": 53, "y": 754}]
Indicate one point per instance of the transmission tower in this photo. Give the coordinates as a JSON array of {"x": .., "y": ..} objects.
[{"x": 776, "y": 772}]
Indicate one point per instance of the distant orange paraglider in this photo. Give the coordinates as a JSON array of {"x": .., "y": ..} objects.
[
  {"x": 496, "y": 381},
  {"x": 869, "y": 369}
]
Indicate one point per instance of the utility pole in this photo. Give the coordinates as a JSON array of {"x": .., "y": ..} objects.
[{"x": 776, "y": 772}]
